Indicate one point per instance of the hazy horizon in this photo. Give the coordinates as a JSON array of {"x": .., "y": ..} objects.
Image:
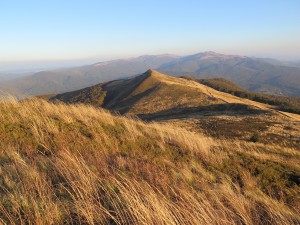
[
  {"x": 35, "y": 66},
  {"x": 83, "y": 32}
]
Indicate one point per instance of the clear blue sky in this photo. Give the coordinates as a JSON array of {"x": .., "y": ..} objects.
[{"x": 90, "y": 29}]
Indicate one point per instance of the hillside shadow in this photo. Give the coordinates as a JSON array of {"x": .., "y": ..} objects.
[
  {"x": 235, "y": 109},
  {"x": 118, "y": 93},
  {"x": 125, "y": 105}
]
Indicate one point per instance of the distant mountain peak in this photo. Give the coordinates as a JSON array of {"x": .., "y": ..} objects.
[
  {"x": 212, "y": 54},
  {"x": 155, "y": 56}
]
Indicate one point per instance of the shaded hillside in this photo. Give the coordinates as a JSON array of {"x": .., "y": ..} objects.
[
  {"x": 284, "y": 103},
  {"x": 80, "y": 165},
  {"x": 91, "y": 95}
]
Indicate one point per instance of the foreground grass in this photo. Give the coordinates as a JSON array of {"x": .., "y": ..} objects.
[{"x": 80, "y": 165}]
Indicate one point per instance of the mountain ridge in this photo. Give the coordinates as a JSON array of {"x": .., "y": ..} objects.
[
  {"x": 254, "y": 74},
  {"x": 154, "y": 92}
]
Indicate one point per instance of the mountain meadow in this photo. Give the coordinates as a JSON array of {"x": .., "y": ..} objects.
[
  {"x": 154, "y": 112},
  {"x": 152, "y": 149}
]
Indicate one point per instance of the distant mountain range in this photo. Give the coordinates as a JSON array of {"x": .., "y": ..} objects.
[
  {"x": 250, "y": 73},
  {"x": 48, "y": 82},
  {"x": 6, "y": 76},
  {"x": 254, "y": 74}
]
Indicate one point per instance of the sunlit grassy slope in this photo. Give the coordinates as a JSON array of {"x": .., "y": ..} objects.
[
  {"x": 80, "y": 165},
  {"x": 284, "y": 103}
]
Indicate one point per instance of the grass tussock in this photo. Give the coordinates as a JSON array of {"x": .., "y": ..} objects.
[{"x": 80, "y": 165}]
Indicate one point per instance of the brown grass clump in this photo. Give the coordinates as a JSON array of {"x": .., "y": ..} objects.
[{"x": 80, "y": 165}]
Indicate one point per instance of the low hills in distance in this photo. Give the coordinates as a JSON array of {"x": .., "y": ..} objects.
[
  {"x": 254, "y": 74},
  {"x": 8, "y": 76},
  {"x": 59, "y": 81},
  {"x": 184, "y": 153}
]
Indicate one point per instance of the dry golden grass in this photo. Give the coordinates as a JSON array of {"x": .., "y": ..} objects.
[{"x": 80, "y": 165}]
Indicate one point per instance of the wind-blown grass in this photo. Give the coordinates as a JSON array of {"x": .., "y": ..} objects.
[{"x": 80, "y": 165}]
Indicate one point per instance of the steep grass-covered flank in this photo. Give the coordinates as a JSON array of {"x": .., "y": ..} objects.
[
  {"x": 78, "y": 164},
  {"x": 284, "y": 103},
  {"x": 150, "y": 92},
  {"x": 91, "y": 95}
]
